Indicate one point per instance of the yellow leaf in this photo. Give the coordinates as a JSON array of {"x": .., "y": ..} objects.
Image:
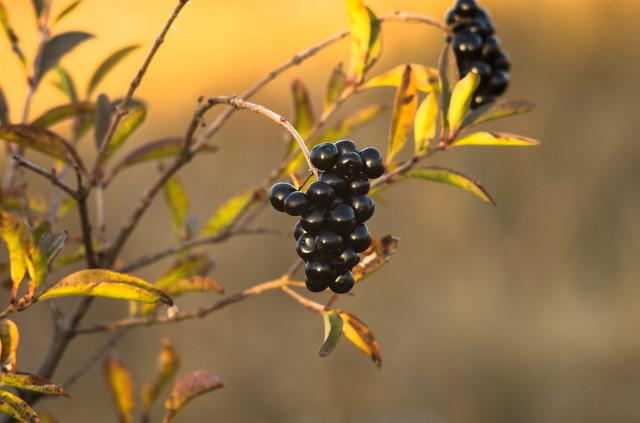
[
  {"x": 360, "y": 335},
  {"x": 167, "y": 366},
  {"x": 404, "y": 110},
  {"x": 109, "y": 284},
  {"x": 227, "y": 213},
  {"x": 332, "y": 332},
  {"x": 494, "y": 139},
  {"x": 375, "y": 257},
  {"x": 360, "y": 26},
  {"x": 426, "y": 124},
  {"x": 58, "y": 114},
  {"x": 461, "y": 100},
  {"x": 37, "y": 139},
  {"x": 375, "y": 41},
  {"x": 32, "y": 383},
  {"x": 453, "y": 178},
  {"x": 336, "y": 85},
  {"x": 120, "y": 385},
  {"x": 448, "y": 75},
  {"x": 10, "y": 337},
  {"x": 305, "y": 118},
  {"x": 187, "y": 388},
  {"x": 15, "y": 407},
  {"x": 127, "y": 126},
  {"x": 426, "y": 78},
  {"x": 178, "y": 200},
  {"x": 15, "y": 236}
]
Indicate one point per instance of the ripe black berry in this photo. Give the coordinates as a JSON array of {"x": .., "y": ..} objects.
[
  {"x": 320, "y": 193},
  {"x": 466, "y": 44},
  {"x": 306, "y": 247},
  {"x": 349, "y": 163},
  {"x": 329, "y": 244},
  {"x": 320, "y": 270},
  {"x": 342, "y": 284},
  {"x": 373, "y": 163},
  {"x": 364, "y": 207},
  {"x": 491, "y": 48},
  {"x": 466, "y": 7},
  {"x": 358, "y": 185},
  {"x": 501, "y": 62},
  {"x": 346, "y": 259},
  {"x": 342, "y": 218},
  {"x": 335, "y": 181},
  {"x": 296, "y": 203},
  {"x": 359, "y": 240},
  {"x": 298, "y": 231},
  {"x": 346, "y": 146},
  {"x": 324, "y": 156},
  {"x": 314, "y": 220},
  {"x": 278, "y": 194},
  {"x": 498, "y": 83},
  {"x": 482, "y": 69},
  {"x": 316, "y": 285}
]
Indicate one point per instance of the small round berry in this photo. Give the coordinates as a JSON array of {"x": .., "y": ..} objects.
[
  {"x": 491, "y": 48},
  {"x": 349, "y": 163},
  {"x": 346, "y": 260},
  {"x": 342, "y": 284},
  {"x": 501, "y": 62},
  {"x": 452, "y": 16},
  {"x": 278, "y": 193},
  {"x": 466, "y": 7},
  {"x": 358, "y": 185},
  {"x": 498, "y": 83},
  {"x": 324, "y": 156},
  {"x": 342, "y": 218},
  {"x": 482, "y": 14},
  {"x": 335, "y": 181},
  {"x": 313, "y": 221},
  {"x": 296, "y": 203},
  {"x": 373, "y": 163},
  {"x": 306, "y": 247},
  {"x": 346, "y": 146},
  {"x": 329, "y": 244},
  {"x": 467, "y": 44},
  {"x": 338, "y": 200},
  {"x": 320, "y": 193},
  {"x": 320, "y": 270},
  {"x": 364, "y": 206},
  {"x": 298, "y": 231},
  {"x": 315, "y": 285},
  {"x": 359, "y": 240},
  {"x": 482, "y": 69},
  {"x": 481, "y": 27}
]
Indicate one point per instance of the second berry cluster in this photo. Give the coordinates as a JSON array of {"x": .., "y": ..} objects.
[{"x": 332, "y": 232}]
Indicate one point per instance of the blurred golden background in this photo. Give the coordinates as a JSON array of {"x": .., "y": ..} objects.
[{"x": 524, "y": 313}]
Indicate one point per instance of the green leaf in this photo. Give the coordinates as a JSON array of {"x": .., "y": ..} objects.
[
  {"x": 404, "y": 110},
  {"x": 178, "y": 201},
  {"x": 42, "y": 250},
  {"x": 13, "y": 232},
  {"x": 102, "y": 119},
  {"x": 9, "y": 339},
  {"x": 461, "y": 100},
  {"x": 332, "y": 332},
  {"x": 58, "y": 114},
  {"x": 305, "y": 118},
  {"x": 337, "y": 83},
  {"x": 120, "y": 385},
  {"x": 375, "y": 257},
  {"x": 494, "y": 139},
  {"x": 107, "y": 65},
  {"x": 127, "y": 126},
  {"x": 56, "y": 48},
  {"x": 426, "y": 123},
  {"x": 108, "y": 284},
  {"x": 228, "y": 212},
  {"x": 11, "y": 34},
  {"x": 360, "y": 26},
  {"x": 453, "y": 178},
  {"x": 65, "y": 84},
  {"x": 37, "y": 139},
  {"x": 187, "y": 388},
  {"x": 167, "y": 365},
  {"x": 449, "y": 77},
  {"x": 426, "y": 78},
  {"x": 360, "y": 335},
  {"x": 4, "y": 109},
  {"x": 375, "y": 41},
  {"x": 67, "y": 10},
  {"x": 33, "y": 383},
  {"x": 497, "y": 110},
  {"x": 15, "y": 407}
]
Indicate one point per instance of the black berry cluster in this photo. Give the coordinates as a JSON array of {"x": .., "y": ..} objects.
[
  {"x": 477, "y": 49},
  {"x": 332, "y": 232}
]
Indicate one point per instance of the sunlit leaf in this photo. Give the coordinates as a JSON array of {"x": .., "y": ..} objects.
[
  {"x": 167, "y": 366},
  {"x": 15, "y": 236},
  {"x": 42, "y": 250},
  {"x": 37, "y": 139},
  {"x": 375, "y": 40},
  {"x": 65, "y": 84},
  {"x": 58, "y": 114},
  {"x": 56, "y": 48},
  {"x": 453, "y": 178},
  {"x": 178, "y": 201},
  {"x": 449, "y": 76},
  {"x": 426, "y": 123},
  {"x": 109, "y": 63},
  {"x": 10, "y": 338},
  {"x": 426, "y": 78},
  {"x": 127, "y": 126},
  {"x": 15, "y": 407},
  {"x": 109, "y": 284},
  {"x": 494, "y": 139},
  {"x": 187, "y": 388},
  {"x": 336, "y": 85},
  {"x": 360, "y": 335},
  {"x": 194, "y": 284},
  {"x": 497, "y": 110},
  {"x": 11, "y": 34},
  {"x": 120, "y": 385},
  {"x": 67, "y": 10},
  {"x": 33, "y": 383},
  {"x": 461, "y": 100},
  {"x": 227, "y": 213},
  {"x": 4, "y": 109},
  {"x": 332, "y": 332},
  {"x": 375, "y": 257},
  {"x": 404, "y": 111},
  {"x": 305, "y": 118},
  {"x": 360, "y": 26}
]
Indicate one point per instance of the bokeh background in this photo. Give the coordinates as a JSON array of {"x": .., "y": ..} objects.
[{"x": 524, "y": 313}]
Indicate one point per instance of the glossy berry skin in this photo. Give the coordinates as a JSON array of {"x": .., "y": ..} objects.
[
  {"x": 491, "y": 48},
  {"x": 501, "y": 62},
  {"x": 360, "y": 239},
  {"x": 481, "y": 27},
  {"x": 342, "y": 218},
  {"x": 278, "y": 193},
  {"x": 343, "y": 283},
  {"x": 373, "y": 163},
  {"x": 358, "y": 185},
  {"x": 329, "y": 244},
  {"x": 320, "y": 270},
  {"x": 466, "y": 44},
  {"x": 335, "y": 181},
  {"x": 314, "y": 220},
  {"x": 346, "y": 146},
  {"x": 323, "y": 156},
  {"x": 296, "y": 203},
  {"x": 298, "y": 231},
  {"x": 482, "y": 69},
  {"x": 349, "y": 163},
  {"x": 306, "y": 247},
  {"x": 498, "y": 83},
  {"x": 320, "y": 193},
  {"x": 466, "y": 7},
  {"x": 315, "y": 285},
  {"x": 346, "y": 260},
  {"x": 364, "y": 206}
]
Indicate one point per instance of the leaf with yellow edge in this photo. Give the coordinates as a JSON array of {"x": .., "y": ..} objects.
[
  {"x": 461, "y": 100},
  {"x": 336, "y": 85},
  {"x": 178, "y": 201},
  {"x": 108, "y": 284},
  {"x": 404, "y": 110},
  {"x": 42, "y": 250},
  {"x": 426, "y": 78},
  {"x": 33, "y": 383},
  {"x": 187, "y": 388},
  {"x": 453, "y": 178},
  {"x": 127, "y": 126},
  {"x": 375, "y": 257},
  {"x": 497, "y": 110},
  {"x": 9, "y": 337},
  {"x": 332, "y": 332},
  {"x": 120, "y": 385},
  {"x": 449, "y": 77},
  {"x": 37, "y": 139},
  {"x": 494, "y": 139},
  {"x": 360, "y": 27},
  {"x": 15, "y": 236},
  {"x": 375, "y": 41},
  {"x": 14, "y": 406},
  {"x": 103, "y": 69},
  {"x": 59, "y": 114},
  {"x": 167, "y": 366},
  {"x": 426, "y": 123},
  {"x": 228, "y": 212},
  {"x": 360, "y": 335}
]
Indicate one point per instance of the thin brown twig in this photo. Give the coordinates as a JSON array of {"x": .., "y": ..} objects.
[
  {"x": 94, "y": 358},
  {"x": 50, "y": 175}
]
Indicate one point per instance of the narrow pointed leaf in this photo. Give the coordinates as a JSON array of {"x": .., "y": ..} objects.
[
  {"x": 426, "y": 124},
  {"x": 65, "y": 84},
  {"x": 33, "y": 383},
  {"x": 227, "y": 213},
  {"x": 194, "y": 284},
  {"x": 14, "y": 406},
  {"x": 43, "y": 249},
  {"x": 426, "y": 78},
  {"x": 67, "y": 10},
  {"x": 375, "y": 257},
  {"x": 56, "y": 48},
  {"x": 11, "y": 34},
  {"x": 453, "y": 178},
  {"x": 337, "y": 83},
  {"x": 108, "y": 284},
  {"x": 494, "y": 139},
  {"x": 37, "y": 139},
  {"x": 107, "y": 65},
  {"x": 461, "y": 100},
  {"x": 497, "y": 110},
  {"x": 404, "y": 110},
  {"x": 15, "y": 237},
  {"x": 360, "y": 335},
  {"x": 127, "y": 126},
  {"x": 120, "y": 385},
  {"x": 360, "y": 26},
  {"x": 59, "y": 114},
  {"x": 167, "y": 366},
  {"x": 10, "y": 338},
  {"x": 4, "y": 109},
  {"x": 187, "y": 388},
  {"x": 178, "y": 201},
  {"x": 305, "y": 119},
  {"x": 332, "y": 332},
  {"x": 375, "y": 40},
  {"x": 102, "y": 119},
  {"x": 449, "y": 76},
  {"x": 37, "y": 7}
]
